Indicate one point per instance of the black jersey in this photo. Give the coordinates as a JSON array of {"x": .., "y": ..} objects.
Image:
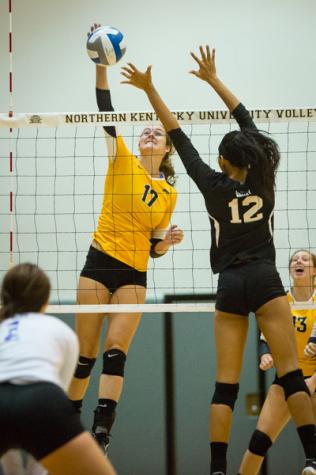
[{"x": 240, "y": 214}]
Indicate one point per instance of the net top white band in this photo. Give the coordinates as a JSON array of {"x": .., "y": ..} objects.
[
  {"x": 137, "y": 118},
  {"x": 148, "y": 308}
]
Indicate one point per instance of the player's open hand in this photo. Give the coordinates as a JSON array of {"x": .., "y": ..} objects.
[
  {"x": 137, "y": 78},
  {"x": 266, "y": 362},
  {"x": 173, "y": 236},
  {"x": 207, "y": 69},
  {"x": 93, "y": 27},
  {"x": 310, "y": 350}
]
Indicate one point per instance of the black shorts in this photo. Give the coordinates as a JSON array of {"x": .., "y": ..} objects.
[
  {"x": 245, "y": 288},
  {"x": 111, "y": 272},
  {"x": 277, "y": 379},
  {"x": 37, "y": 417}
]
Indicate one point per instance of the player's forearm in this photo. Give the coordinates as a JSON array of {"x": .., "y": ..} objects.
[
  {"x": 103, "y": 96},
  {"x": 224, "y": 93},
  {"x": 166, "y": 117},
  {"x": 101, "y": 78}
]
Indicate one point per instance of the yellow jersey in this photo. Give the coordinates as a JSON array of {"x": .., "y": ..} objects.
[
  {"x": 136, "y": 208},
  {"x": 303, "y": 323}
]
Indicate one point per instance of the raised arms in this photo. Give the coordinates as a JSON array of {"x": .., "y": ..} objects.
[
  {"x": 104, "y": 102},
  {"x": 207, "y": 73},
  {"x": 199, "y": 171},
  {"x": 144, "y": 81}
]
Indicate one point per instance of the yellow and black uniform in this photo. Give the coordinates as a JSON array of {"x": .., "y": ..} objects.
[
  {"x": 136, "y": 208},
  {"x": 303, "y": 321},
  {"x": 135, "y": 215}
]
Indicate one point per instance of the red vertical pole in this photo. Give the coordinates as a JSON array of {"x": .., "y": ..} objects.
[{"x": 10, "y": 114}]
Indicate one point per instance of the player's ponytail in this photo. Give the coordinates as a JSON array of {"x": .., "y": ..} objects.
[
  {"x": 166, "y": 166},
  {"x": 249, "y": 148},
  {"x": 25, "y": 288}
]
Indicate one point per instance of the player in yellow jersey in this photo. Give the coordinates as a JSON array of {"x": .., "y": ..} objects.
[
  {"x": 139, "y": 199},
  {"x": 274, "y": 414}
]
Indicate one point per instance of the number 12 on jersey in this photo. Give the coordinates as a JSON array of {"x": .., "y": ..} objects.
[{"x": 252, "y": 214}]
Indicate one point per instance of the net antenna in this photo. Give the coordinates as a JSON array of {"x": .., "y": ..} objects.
[{"x": 10, "y": 115}]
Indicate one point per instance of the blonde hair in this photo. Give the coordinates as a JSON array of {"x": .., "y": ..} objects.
[{"x": 166, "y": 166}]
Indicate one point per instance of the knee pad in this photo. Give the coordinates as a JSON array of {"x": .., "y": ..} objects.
[
  {"x": 225, "y": 393},
  {"x": 84, "y": 367},
  {"x": 293, "y": 382},
  {"x": 114, "y": 362},
  {"x": 259, "y": 443}
]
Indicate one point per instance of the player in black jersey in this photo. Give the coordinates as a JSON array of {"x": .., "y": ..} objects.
[{"x": 240, "y": 202}]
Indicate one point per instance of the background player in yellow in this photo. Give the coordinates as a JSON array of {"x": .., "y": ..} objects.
[
  {"x": 275, "y": 415},
  {"x": 139, "y": 199}
]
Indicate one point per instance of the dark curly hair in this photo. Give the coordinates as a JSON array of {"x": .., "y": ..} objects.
[{"x": 252, "y": 149}]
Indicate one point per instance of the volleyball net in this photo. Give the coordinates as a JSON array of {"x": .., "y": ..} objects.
[{"x": 52, "y": 173}]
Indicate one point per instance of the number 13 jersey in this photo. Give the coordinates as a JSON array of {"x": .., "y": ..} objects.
[
  {"x": 136, "y": 208},
  {"x": 303, "y": 321}
]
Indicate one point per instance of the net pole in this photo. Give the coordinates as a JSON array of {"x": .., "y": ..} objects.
[
  {"x": 10, "y": 114},
  {"x": 169, "y": 360},
  {"x": 170, "y": 426}
]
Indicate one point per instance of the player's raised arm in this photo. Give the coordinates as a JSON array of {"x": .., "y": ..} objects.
[
  {"x": 103, "y": 97},
  {"x": 199, "y": 171},
  {"x": 144, "y": 81},
  {"x": 207, "y": 72}
]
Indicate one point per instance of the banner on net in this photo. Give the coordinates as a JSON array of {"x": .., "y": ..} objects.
[{"x": 140, "y": 118}]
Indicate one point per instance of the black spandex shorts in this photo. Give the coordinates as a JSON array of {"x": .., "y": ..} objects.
[
  {"x": 246, "y": 287},
  {"x": 277, "y": 380},
  {"x": 37, "y": 417},
  {"x": 111, "y": 272}
]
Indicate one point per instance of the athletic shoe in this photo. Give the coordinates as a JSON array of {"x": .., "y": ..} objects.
[
  {"x": 310, "y": 467},
  {"x": 102, "y": 439},
  {"x": 101, "y": 428}
]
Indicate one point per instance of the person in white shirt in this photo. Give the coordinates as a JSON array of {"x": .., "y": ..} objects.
[
  {"x": 17, "y": 462},
  {"x": 38, "y": 356}
]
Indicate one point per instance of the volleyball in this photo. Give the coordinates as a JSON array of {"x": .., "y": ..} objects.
[{"x": 106, "y": 46}]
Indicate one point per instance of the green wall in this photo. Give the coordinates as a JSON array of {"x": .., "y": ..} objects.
[{"x": 138, "y": 442}]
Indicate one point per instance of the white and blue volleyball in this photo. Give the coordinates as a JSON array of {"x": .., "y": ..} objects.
[{"x": 106, "y": 45}]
